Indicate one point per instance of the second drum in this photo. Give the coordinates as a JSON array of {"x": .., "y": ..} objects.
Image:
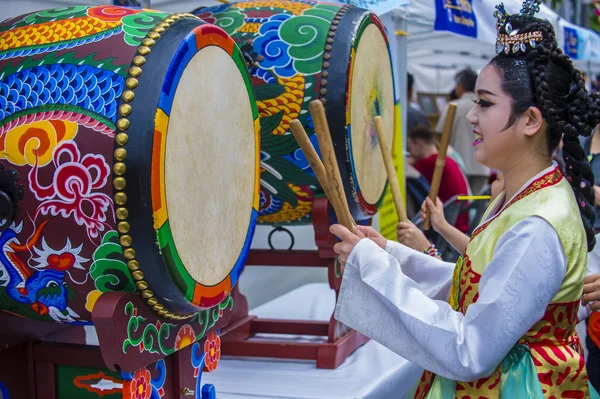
[{"x": 299, "y": 52}]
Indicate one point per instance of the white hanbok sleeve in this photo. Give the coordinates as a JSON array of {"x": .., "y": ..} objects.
[
  {"x": 377, "y": 299},
  {"x": 433, "y": 275}
]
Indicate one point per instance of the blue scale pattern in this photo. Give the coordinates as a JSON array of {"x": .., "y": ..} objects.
[{"x": 83, "y": 86}]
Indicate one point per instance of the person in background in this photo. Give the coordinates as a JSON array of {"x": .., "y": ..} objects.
[
  {"x": 423, "y": 151},
  {"x": 462, "y": 131},
  {"x": 591, "y": 148},
  {"x": 414, "y": 116}
]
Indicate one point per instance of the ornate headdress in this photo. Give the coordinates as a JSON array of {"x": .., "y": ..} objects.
[{"x": 511, "y": 41}]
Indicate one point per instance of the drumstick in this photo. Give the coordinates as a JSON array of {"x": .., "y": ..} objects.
[
  {"x": 440, "y": 161},
  {"x": 338, "y": 197},
  {"x": 390, "y": 169},
  {"x": 311, "y": 155}
]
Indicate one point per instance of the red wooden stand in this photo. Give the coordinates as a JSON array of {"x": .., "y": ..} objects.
[{"x": 236, "y": 338}]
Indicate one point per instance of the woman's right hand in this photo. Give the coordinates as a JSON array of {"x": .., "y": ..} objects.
[
  {"x": 410, "y": 235},
  {"x": 436, "y": 213}
]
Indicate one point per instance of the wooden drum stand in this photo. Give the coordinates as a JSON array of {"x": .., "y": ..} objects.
[{"x": 236, "y": 338}]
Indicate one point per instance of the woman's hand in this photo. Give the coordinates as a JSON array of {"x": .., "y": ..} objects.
[
  {"x": 436, "y": 213},
  {"x": 411, "y": 236},
  {"x": 372, "y": 234},
  {"x": 591, "y": 291},
  {"x": 347, "y": 244}
]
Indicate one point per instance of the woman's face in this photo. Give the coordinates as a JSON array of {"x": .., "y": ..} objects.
[{"x": 496, "y": 145}]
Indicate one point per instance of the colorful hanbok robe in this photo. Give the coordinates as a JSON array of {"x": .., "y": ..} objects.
[{"x": 508, "y": 327}]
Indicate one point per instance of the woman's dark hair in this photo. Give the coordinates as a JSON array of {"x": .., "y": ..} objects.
[{"x": 544, "y": 77}]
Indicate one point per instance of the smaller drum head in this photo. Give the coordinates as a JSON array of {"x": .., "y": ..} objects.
[{"x": 372, "y": 94}]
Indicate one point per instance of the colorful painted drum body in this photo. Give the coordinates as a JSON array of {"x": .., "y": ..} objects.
[
  {"x": 304, "y": 50},
  {"x": 88, "y": 98}
]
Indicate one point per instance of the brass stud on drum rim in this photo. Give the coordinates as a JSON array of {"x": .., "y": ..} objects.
[
  {"x": 135, "y": 71},
  {"x": 123, "y": 124},
  {"x": 133, "y": 265},
  {"x": 158, "y": 306},
  {"x": 125, "y": 109},
  {"x": 148, "y": 42},
  {"x": 137, "y": 275},
  {"x": 162, "y": 313},
  {"x": 123, "y": 227},
  {"x": 119, "y": 168},
  {"x": 120, "y": 198},
  {"x": 158, "y": 29},
  {"x": 154, "y": 35},
  {"x": 152, "y": 301},
  {"x": 143, "y": 50},
  {"x": 147, "y": 294},
  {"x": 122, "y": 213},
  {"x": 120, "y": 154},
  {"x": 131, "y": 83},
  {"x": 139, "y": 60},
  {"x": 129, "y": 254},
  {"x": 122, "y": 138},
  {"x": 119, "y": 183},
  {"x": 141, "y": 285},
  {"x": 128, "y": 96},
  {"x": 125, "y": 240}
]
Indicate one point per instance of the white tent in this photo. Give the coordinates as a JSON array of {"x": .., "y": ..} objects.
[{"x": 435, "y": 56}]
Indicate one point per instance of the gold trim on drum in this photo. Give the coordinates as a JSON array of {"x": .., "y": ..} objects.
[
  {"x": 120, "y": 168},
  {"x": 327, "y": 52}
]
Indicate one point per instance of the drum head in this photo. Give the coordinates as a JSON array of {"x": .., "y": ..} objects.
[
  {"x": 372, "y": 94},
  {"x": 210, "y": 165}
]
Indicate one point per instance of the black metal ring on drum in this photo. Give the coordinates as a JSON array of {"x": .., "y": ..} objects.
[{"x": 282, "y": 229}]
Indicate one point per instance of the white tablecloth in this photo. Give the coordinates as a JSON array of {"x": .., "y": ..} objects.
[{"x": 371, "y": 372}]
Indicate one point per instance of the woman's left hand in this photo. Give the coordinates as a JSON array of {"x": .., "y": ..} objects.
[{"x": 349, "y": 241}]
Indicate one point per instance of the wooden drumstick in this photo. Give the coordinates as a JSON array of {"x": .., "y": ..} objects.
[
  {"x": 311, "y": 155},
  {"x": 338, "y": 197},
  {"x": 390, "y": 169},
  {"x": 440, "y": 161}
]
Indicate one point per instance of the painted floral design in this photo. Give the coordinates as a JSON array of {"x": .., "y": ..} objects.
[
  {"x": 212, "y": 350},
  {"x": 74, "y": 186},
  {"x": 141, "y": 385},
  {"x": 186, "y": 336}
]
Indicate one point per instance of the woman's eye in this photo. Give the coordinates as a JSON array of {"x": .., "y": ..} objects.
[{"x": 483, "y": 103}]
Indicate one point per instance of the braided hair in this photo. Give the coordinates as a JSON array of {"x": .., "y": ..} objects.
[{"x": 544, "y": 77}]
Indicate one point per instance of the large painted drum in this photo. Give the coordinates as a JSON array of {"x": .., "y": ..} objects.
[
  {"x": 302, "y": 51},
  {"x": 130, "y": 161}
]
